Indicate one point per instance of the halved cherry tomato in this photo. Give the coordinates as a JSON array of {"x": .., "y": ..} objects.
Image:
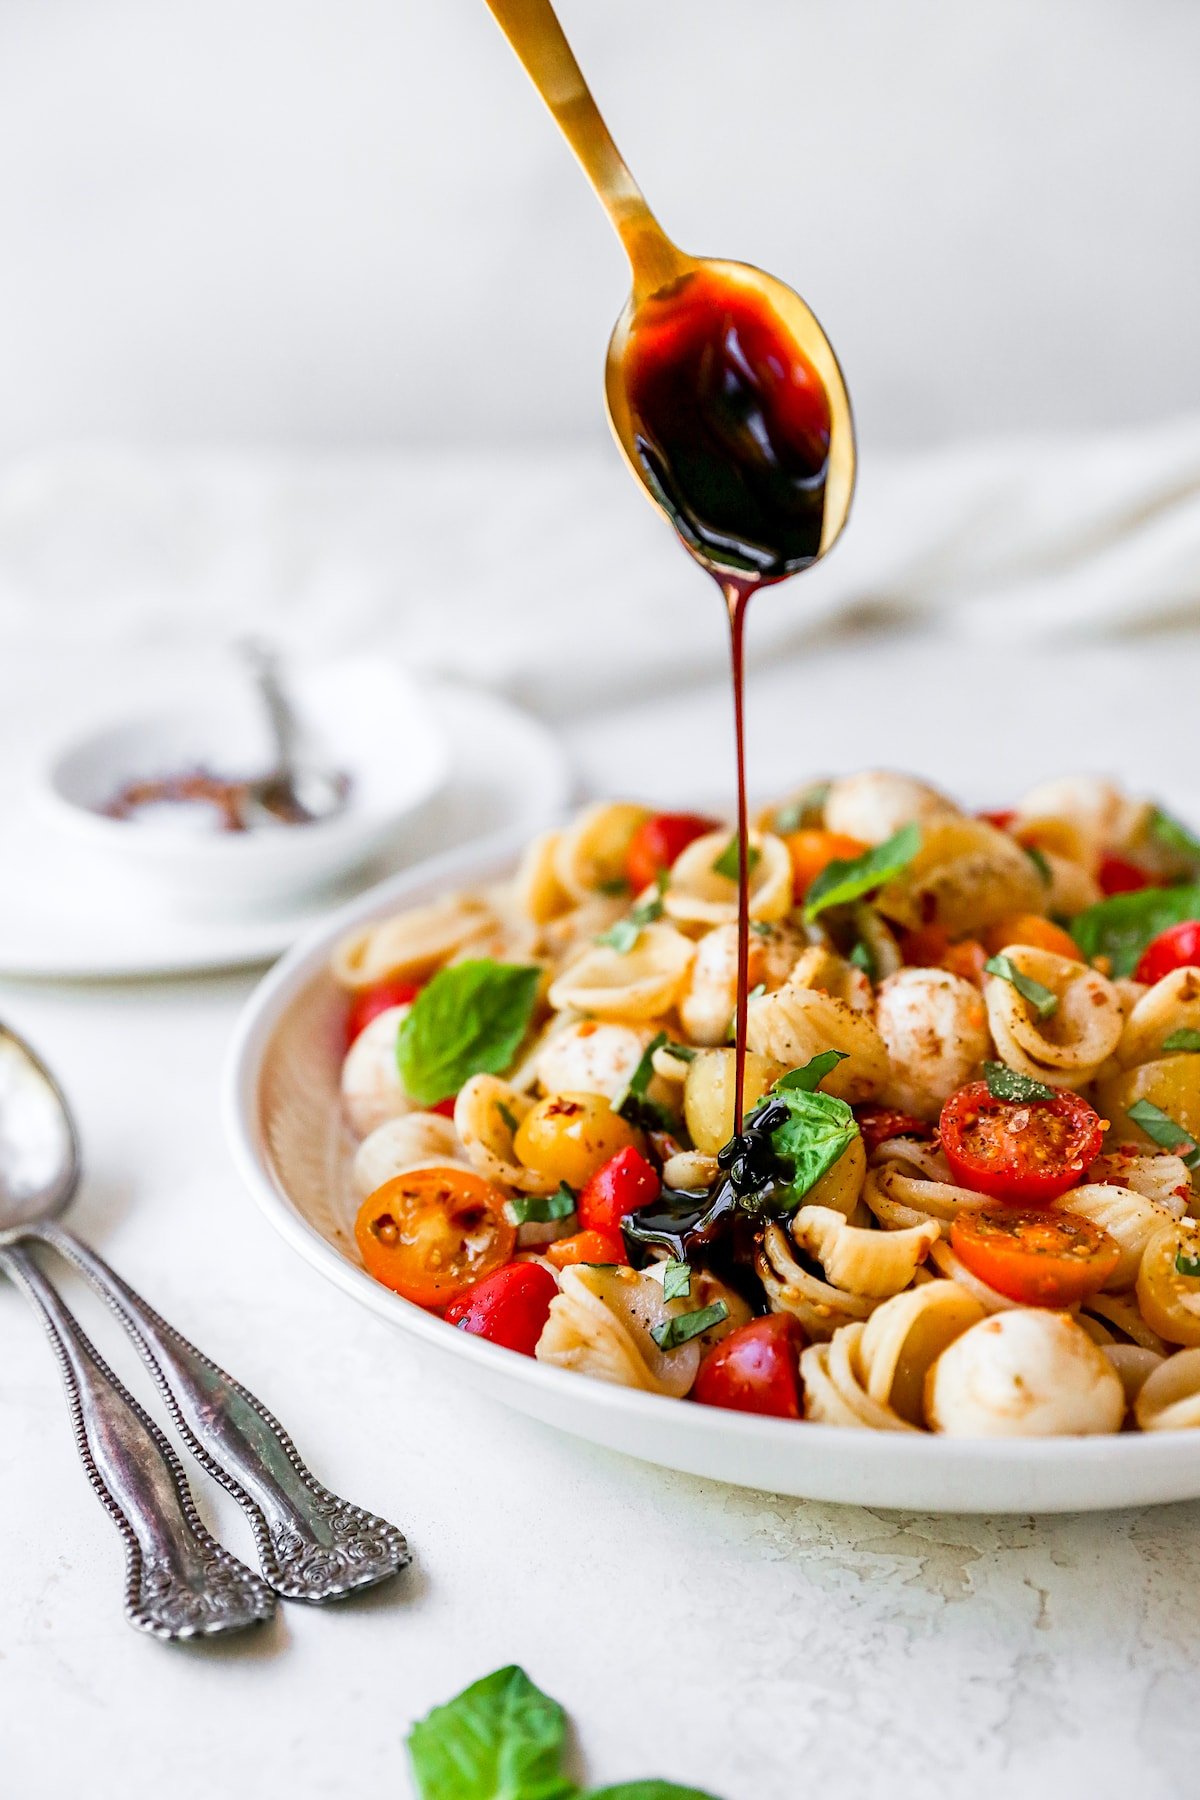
[
  {"x": 1176, "y": 948},
  {"x": 1002, "y": 820},
  {"x": 1030, "y": 928},
  {"x": 1024, "y": 1152},
  {"x": 877, "y": 1123},
  {"x": 375, "y": 1000},
  {"x": 755, "y": 1369},
  {"x": 431, "y": 1233},
  {"x": 966, "y": 958},
  {"x": 625, "y": 1184},
  {"x": 812, "y": 851},
  {"x": 587, "y": 1247},
  {"x": 925, "y": 946},
  {"x": 445, "y": 1107},
  {"x": 1038, "y": 1256},
  {"x": 510, "y": 1307},
  {"x": 1116, "y": 876},
  {"x": 656, "y": 843}
]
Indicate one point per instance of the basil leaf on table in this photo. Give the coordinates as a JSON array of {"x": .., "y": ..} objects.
[
  {"x": 501, "y": 1739},
  {"x": 1121, "y": 926},
  {"x": 1043, "y": 1000},
  {"x": 469, "y": 1020},
  {"x": 842, "y": 882}
]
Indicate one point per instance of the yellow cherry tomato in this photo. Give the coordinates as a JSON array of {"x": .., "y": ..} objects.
[
  {"x": 1172, "y": 1083},
  {"x": 1169, "y": 1298},
  {"x": 567, "y": 1137}
]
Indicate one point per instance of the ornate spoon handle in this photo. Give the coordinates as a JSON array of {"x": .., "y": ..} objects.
[
  {"x": 311, "y": 1544},
  {"x": 179, "y": 1582}
]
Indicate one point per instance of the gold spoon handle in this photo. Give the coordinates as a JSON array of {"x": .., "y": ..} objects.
[{"x": 533, "y": 30}]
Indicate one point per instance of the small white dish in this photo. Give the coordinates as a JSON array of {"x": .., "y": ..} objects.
[
  {"x": 508, "y": 775},
  {"x": 365, "y": 719},
  {"x": 282, "y": 1118}
]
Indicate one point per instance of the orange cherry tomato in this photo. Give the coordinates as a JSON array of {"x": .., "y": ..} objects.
[
  {"x": 1032, "y": 929},
  {"x": 587, "y": 1247},
  {"x": 1020, "y": 1151},
  {"x": 656, "y": 843},
  {"x": 966, "y": 958},
  {"x": 1039, "y": 1257},
  {"x": 812, "y": 851},
  {"x": 432, "y": 1233}
]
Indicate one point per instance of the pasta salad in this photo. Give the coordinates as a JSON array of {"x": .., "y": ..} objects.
[{"x": 962, "y": 1196}]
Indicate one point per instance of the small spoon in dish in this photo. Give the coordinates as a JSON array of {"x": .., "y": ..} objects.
[
  {"x": 312, "y": 1545},
  {"x": 294, "y": 792}
]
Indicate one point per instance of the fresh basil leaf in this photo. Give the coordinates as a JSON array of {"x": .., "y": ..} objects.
[
  {"x": 1004, "y": 1083},
  {"x": 542, "y": 1209},
  {"x": 631, "y": 1102},
  {"x": 1042, "y": 999},
  {"x": 469, "y": 1020},
  {"x": 805, "y": 809},
  {"x": 842, "y": 881},
  {"x": 1187, "y": 1265},
  {"x": 727, "y": 863},
  {"x": 509, "y": 1116},
  {"x": 1183, "y": 1039},
  {"x": 501, "y": 1739},
  {"x": 625, "y": 933},
  {"x": 1041, "y": 863},
  {"x": 615, "y": 888},
  {"x": 1174, "y": 835},
  {"x": 681, "y": 1052},
  {"x": 809, "y": 1076},
  {"x": 648, "y": 1790},
  {"x": 1121, "y": 926},
  {"x": 762, "y": 928},
  {"x": 1161, "y": 1127},
  {"x": 681, "y": 1330},
  {"x": 863, "y": 958},
  {"x": 677, "y": 1281}
]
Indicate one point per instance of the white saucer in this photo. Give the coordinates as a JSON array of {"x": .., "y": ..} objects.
[{"x": 509, "y": 777}]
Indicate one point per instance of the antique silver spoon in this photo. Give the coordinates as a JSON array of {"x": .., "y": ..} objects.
[
  {"x": 312, "y": 1545},
  {"x": 296, "y": 791}
]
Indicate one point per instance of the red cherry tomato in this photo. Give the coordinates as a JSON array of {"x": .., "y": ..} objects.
[
  {"x": 1176, "y": 948},
  {"x": 1024, "y": 1152},
  {"x": 1038, "y": 1257},
  {"x": 1002, "y": 820},
  {"x": 508, "y": 1308},
  {"x": 878, "y": 1123},
  {"x": 755, "y": 1369},
  {"x": 624, "y": 1184},
  {"x": 1116, "y": 876},
  {"x": 445, "y": 1107},
  {"x": 656, "y": 843},
  {"x": 587, "y": 1247},
  {"x": 375, "y": 1000}
]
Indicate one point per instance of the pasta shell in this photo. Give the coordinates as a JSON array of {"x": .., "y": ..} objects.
[
  {"x": 1169, "y": 1398},
  {"x": 934, "y": 1027},
  {"x": 797, "y": 1023},
  {"x": 1103, "y": 817},
  {"x": 1071, "y": 887},
  {"x": 966, "y": 875},
  {"x": 825, "y": 972},
  {"x": 413, "y": 943},
  {"x": 372, "y": 1091},
  {"x": 1066, "y": 1049},
  {"x": 643, "y": 983},
  {"x": 590, "y": 854},
  {"x": 487, "y": 1135},
  {"x": 819, "y": 1306},
  {"x": 1172, "y": 1004},
  {"x": 873, "y": 805},
  {"x": 698, "y": 895},
  {"x": 911, "y": 1184},
  {"x": 875, "y": 1263},
  {"x": 904, "y": 1337},
  {"x": 600, "y": 1324},
  {"x": 413, "y": 1141},
  {"x": 707, "y": 1289},
  {"x": 1128, "y": 1218},
  {"x": 1134, "y": 1365},
  {"x": 536, "y": 887},
  {"x": 1163, "y": 1178},
  {"x": 834, "y": 1391},
  {"x": 840, "y": 1187},
  {"x": 1121, "y": 1311}
]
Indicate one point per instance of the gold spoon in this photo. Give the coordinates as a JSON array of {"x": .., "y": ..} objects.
[{"x": 533, "y": 30}]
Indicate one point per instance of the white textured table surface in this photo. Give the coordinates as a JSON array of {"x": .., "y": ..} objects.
[{"x": 762, "y": 1648}]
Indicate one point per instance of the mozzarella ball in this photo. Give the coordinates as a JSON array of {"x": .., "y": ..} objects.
[
  {"x": 1024, "y": 1373},
  {"x": 874, "y": 805},
  {"x": 372, "y": 1092},
  {"x": 935, "y": 1027}
]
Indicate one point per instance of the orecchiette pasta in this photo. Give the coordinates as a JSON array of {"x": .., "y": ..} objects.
[
  {"x": 699, "y": 894},
  {"x": 819, "y": 1306},
  {"x": 589, "y": 855},
  {"x": 875, "y": 1263},
  {"x": 874, "y": 805},
  {"x": 413, "y": 943},
  {"x": 1066, "y": 1048},
  {"x": 1171, "y": 1005},
  {"x": 641, "y": 983},
  {"x": 1169, "y": 1396},
  {"x": 835, "y": 1392},
  {"x": 966, "y": 875},
  {"x": 486, "y": 1115},
  {"x": 795, "y": 1023},
  {"x": 600, "y": 1324},
  {"x": 1127, "y": 1217},
  {"x": 414, "y": 1140},
  {"x": 904, "y": 1337}
]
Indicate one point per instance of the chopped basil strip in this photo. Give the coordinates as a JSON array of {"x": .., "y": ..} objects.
[
  {"x": 842, "y": 882},
  {"x": 1161, "y": 1127},
  {"x": 631, "y": 1103},
  {"x": 1004, "y": 1083},
  {"x": 863, "y": 958},
  {"x": 756, "y": 993},
  {"x": 1187, "y": 1265},
  {"x": 1121, "y": 926},
  {"x": 1042, "y": 999},
  {"x": 681, "y": 1052},
  {"x": 539, "y": 1209},
  {"x": 761, "y": 928},
  {"x": 677, "y": 1281},
  {"x": 1041, "y": 863},
  {"x": 509, "y": 1116},
  {"x": 674, "y": 1332},
  {"x": 469, "y": 1020},
  {"x": 1184, "y": 1039},
  {"x": 1175, "y": 835},
  {"x": 809, "y": 1076},
  {"x": 805, "y": 809},
  {"x": 727, "y": 863},
  {"x": 614, "y": 889},
  {"x": 622, "y": 936}
]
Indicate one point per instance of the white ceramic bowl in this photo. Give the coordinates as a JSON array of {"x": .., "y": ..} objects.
[
  {"x": 282, "y": 1118},
  {"x": 363, "y": 717}
]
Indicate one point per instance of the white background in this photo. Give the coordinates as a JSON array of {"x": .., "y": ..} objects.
[{"x": 352, "y": 222}]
